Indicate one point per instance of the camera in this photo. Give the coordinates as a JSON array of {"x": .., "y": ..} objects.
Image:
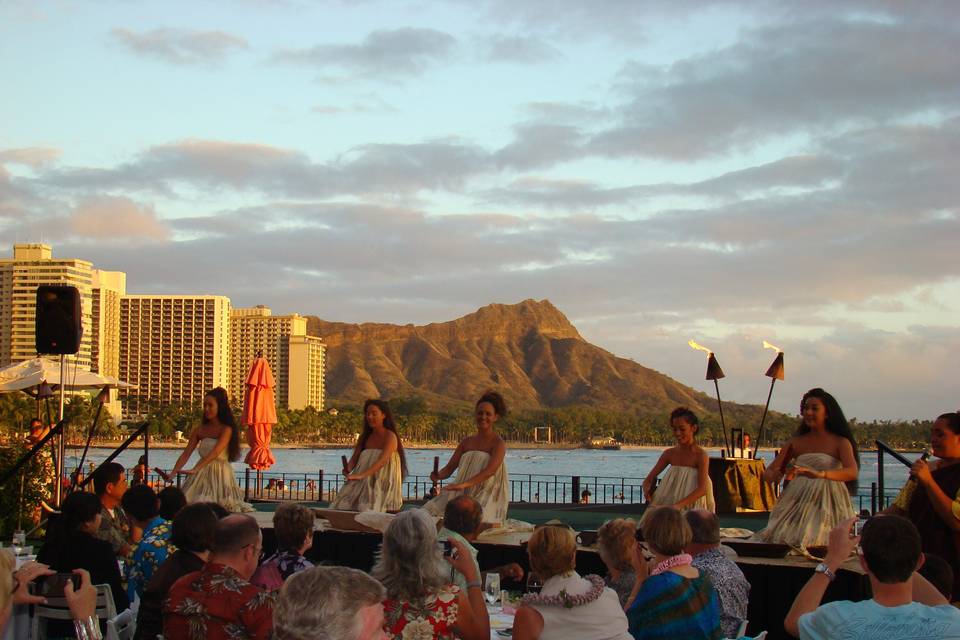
[
  {"x": 446, "y": 547},
  {"x": 858, "y": 527},
  {"x": 52, "y": 586}
]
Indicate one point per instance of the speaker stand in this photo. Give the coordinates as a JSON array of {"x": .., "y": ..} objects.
[{"x": 62, "y": 447}]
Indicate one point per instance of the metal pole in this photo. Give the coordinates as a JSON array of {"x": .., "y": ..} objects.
[
  {"x": 723, "y": 423},
  {"x": 756, "y": 446},
  {"x": 63, "y": 432}
]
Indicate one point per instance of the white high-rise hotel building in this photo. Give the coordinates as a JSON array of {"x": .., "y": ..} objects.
[{"x": 173, "y": 347}]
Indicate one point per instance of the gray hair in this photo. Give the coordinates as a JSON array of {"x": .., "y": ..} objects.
[
  {"x": 322, "y": 603},
  {"x": 705, "y": 526},
  {"x": 410, "y": 564}
]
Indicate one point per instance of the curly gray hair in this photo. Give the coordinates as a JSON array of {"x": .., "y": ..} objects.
[
  {"x": 322, "y": 603},
  {"x": 410, "y": 564}
]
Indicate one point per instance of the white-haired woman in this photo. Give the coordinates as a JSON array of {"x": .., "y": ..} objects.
[{"x": 421, "y": 600}]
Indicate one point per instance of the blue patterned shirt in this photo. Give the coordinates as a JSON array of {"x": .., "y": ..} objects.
[{"x": 151, "y": 552}]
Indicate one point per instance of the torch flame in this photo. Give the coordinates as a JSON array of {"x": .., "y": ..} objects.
[
  {"x": 767, "y": 345},
  {"x": 699, "y": 347}
]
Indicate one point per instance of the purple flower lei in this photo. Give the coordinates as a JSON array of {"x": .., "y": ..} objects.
[{"x": 563, "y": 599}]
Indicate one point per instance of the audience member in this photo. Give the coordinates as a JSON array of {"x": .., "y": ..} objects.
[
  {"x": 109, "y": 485},
  {"x": 72, "y": 544},
  {"x": 293, "y": 527},
  {"x": 731, "y": 585},
  {"x": 329, "y": 603},
  {"x": 421, "y": 601},
  {"x": 671, "y": 598},
  {"x": 139, "y": 472},
  {"x": 219, "y": 598},
  {"x": 568, "y": 607},
  {"x": 192, "y": 534},
  {"x": 939, "y": 573},
  {"x": 142, "y": 507},
  {"x": 615, "y": 543},
  {"x": 904, "y": 604},
  {"x": 82, "y": 603},
  {"x": 171, "y": 501},
  {"x": 462, "y": 520}
]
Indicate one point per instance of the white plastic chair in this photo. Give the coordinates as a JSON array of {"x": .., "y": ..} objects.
[
  {"x": 57, "y": 609},
  {"x": 122, "y": 627}
]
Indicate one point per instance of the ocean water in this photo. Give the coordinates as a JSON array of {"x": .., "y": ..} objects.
[{"x": 543, "y": 463}]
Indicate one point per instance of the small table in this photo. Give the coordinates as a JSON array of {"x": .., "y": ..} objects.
[{"x": 738, "y": 484}]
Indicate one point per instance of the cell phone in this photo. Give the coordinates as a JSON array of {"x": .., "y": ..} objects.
[
  {"x": 52, "y": 586},
  {"x": 858, "y": 527},
  {"x": 446, "y": 548}
]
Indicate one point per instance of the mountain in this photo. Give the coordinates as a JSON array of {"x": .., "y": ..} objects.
[{"x": 528, "y": 351}]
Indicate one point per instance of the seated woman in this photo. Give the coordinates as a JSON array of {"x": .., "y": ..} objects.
[
  {"x": 686, "y": 484},
  {"x": 932, "y": 502},
  {"x": 421, "y": 601},
  {"x": 615, "y": 542},
  {"x": 73, "y": 545},
  {"x": 671, "y": 599},
  {"x": 293, "y": 528},
  {"x": 824, "y": 473},
  {"x": 191, "y": 534},
  {"x": 478, "y": 459},
  {"x": 568, "y": 607},
  {"x": 376, "y": 468}
]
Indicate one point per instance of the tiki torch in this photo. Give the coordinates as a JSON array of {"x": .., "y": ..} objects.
[
  {"x": 774, "y": 372},
  {"x": 714, "y": 372}
]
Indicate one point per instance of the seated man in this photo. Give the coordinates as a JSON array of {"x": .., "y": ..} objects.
[
  {"x": 219, "y": 599},
  {"x": 109, "y": 485},
  {"x": 904, "y": 604},
  {"x": 728, "y": 579},
  {"x": 331, "y": 602},
  {"x": 462, "y": 518}
]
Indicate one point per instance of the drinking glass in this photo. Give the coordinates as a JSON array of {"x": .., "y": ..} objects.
[
  {"x": 533, "y": 583},
  {"x": 491, "y": 587},
  {"x": 19, "y": 541}
]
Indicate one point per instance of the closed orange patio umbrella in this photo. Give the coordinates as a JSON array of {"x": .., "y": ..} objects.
[{"x": 259, "y": 413}]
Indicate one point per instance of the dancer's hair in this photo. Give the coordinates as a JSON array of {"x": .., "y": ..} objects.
[
  {"x": 836, "y": 424},
  {"x": 683, "y": 413},
  {"x": 496, "y": 400},
  {"x": 388, "y": 424},
  {"x": 225, "y": 416}
]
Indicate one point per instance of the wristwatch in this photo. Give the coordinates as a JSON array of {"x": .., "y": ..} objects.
[{"x": 825, "y": 570}]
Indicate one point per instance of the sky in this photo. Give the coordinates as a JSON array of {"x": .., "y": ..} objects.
[{"x": 728, "y": 172}]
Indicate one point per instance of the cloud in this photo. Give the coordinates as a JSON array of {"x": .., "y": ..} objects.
[
  {"x": 30, "y": 156},
  {"x": 179, "y": 46},
  {"x": 821, "y": 76},
  {"x": 519, "y": 50},
  {"x": 538, "y": 145},
  {"x": 386, "y": 53},
  {"x": 117, "y": 218}
]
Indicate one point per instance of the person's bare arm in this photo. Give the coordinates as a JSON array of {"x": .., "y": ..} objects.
[
  {"x": 774, "y": 473},
  {"x": 473, "y": 621},
  {"x": 703, "y": 477},
  {"x": 388, "y": 450},
  {"x": 187, "y": 452},
  {"x": 527, "y": 624},
  {"x": 942, "y": 503},
  {"x": 493, "y": 464},
  {"x": 839, "y": 548},
  {"x": 222, "y": 442},
  {"x": 651, "y": 478},
  {"x": 450, "y": 467}
]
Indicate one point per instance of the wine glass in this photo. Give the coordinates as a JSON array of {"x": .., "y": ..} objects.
[
  {"x": 534, "y": 584},
  {"x": 491, "y": 587},
  {"x": 19, "y": 541}
]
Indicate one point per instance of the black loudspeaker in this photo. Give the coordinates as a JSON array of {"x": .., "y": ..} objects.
[{"x": 58, "y": 328}]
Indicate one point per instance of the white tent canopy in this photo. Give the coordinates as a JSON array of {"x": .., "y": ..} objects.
[{"x": 31, "y": 373}]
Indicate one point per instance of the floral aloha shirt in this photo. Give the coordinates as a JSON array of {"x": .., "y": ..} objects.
[
  {"x": 430, "y": 619},
  {"x": 151, "y": 552},
  {"x": 215, "y": 603}
]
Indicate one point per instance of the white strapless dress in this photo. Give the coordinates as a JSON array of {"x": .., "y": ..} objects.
[
  {"x": 493, "y": 494},
  {"x": 809, "y": 507},
  {"x": 677, "y": 483},
  {"x": 215, "y": 482},
  {"x": 383, "y": 491}
]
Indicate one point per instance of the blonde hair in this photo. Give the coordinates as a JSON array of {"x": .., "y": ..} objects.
[
  {"x": 7, "y": 563},
  {"x": 552, "y": 551},
  {"x": 615, "y": 539},
  {"x": 666, "y": 531}
]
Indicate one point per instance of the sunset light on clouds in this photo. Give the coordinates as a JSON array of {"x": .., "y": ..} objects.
[{"x": 731, "y": 172}]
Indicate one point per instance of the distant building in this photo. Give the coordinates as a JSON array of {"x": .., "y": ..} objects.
[
  {"x": 174, "y": 348},
  {"x": 31, "y": 266},
  {"x": 295, "y": 358}
]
